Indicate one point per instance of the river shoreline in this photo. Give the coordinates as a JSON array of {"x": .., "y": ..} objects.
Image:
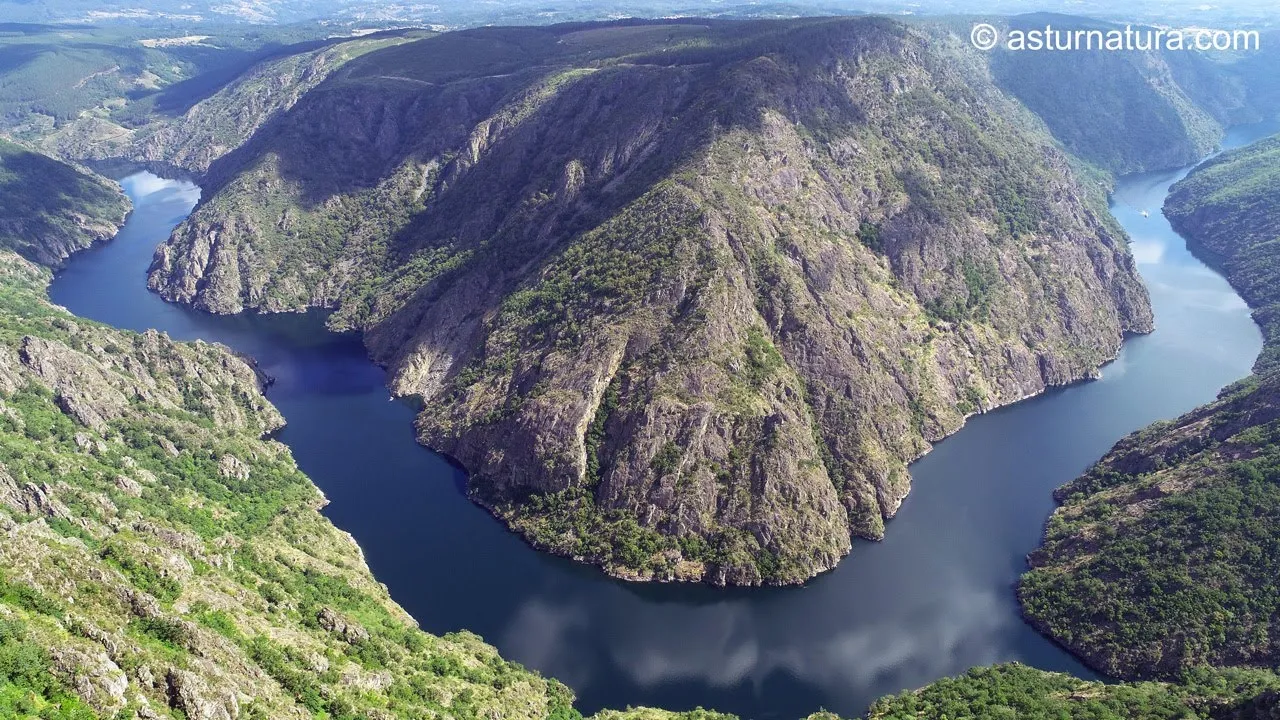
[{"x": 932, "y": 599}]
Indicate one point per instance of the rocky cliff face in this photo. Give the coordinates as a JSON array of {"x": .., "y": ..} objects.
[
  {"x": 683, "y": 300},
  {"x": 52, "y": 209}
]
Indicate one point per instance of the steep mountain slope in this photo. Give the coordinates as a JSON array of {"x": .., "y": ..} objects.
[
  {"x": 1164, "y": 556},
  {"x": 684, "y": 299},
  {"x": 1135, "y": 111},
  {"x": 51, "y": 209}
]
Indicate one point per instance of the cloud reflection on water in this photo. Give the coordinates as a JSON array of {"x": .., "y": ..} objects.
[
  {"x": 827, "y": 644},
  {"x": 1147, "y": 252},
  {"x": 144, "y": 184}
]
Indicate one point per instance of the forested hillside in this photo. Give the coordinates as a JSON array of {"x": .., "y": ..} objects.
[
  {"x": 1164, "y": 556},
  {"x": 1137, "y": 111},
  {"x": 1017, "y": 691},
  {"x": 51, "y": 209},
  {"x": 55, "y": 75},
  {"x": 1227, "y": 209}
]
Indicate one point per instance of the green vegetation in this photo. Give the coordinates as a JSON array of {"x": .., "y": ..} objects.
[
  {"x": 569, "y": 523},
  {"x": 160, "y": 553},
  {"x": 155, "y": 94},
  {"x": 869, "y": 235},
  {"x": 605, "y": 274},
  {"x": 1227, "y": 209},
  {"x": 51, "y": 75},
  {"x": 979, "y": 285},
  {"x": 763, "y": 359},
  {"x": 596, "y": 431},
  {"x": 52, "y": 209},
  {"x": 1164, "y": 556},
  {"x": 28, "y": 691},
  {"x": 1017, "y": 691}
]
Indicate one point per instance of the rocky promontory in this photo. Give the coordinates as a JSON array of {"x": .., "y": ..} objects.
[{"x": 688, "y": 310}]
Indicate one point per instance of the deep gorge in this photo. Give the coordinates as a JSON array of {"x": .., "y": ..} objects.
[{"x": 932, "y": 599}]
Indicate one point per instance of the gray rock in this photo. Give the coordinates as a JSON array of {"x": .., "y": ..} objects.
[
  {"x": 350, "y": 631},
  {"x": 232, "y": 466},
  {"x": 128, "y": 485},
  {"x": 82, "y": 387},
  {"x": 96, "y": 679},
  {"x": 189, "y": 693}
]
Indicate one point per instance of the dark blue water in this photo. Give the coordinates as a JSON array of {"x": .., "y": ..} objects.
[{"x": 933, "y": 599}]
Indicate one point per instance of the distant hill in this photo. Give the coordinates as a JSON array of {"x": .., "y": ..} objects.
[
  {"x": 456, "y": 14},
  {"x": 54, "y": 75},
  {"x": 1135, "y": 111},
  {"x": 51, "y": 209}
]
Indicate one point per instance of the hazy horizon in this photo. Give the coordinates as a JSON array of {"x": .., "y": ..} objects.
[{"x": 1256, "y": 13}]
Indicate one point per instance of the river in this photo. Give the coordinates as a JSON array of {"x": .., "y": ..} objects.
[{"x": 933, "y": 599}]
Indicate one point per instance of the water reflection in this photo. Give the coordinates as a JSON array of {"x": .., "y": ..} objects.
[{"x": 933, "y": 599}]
